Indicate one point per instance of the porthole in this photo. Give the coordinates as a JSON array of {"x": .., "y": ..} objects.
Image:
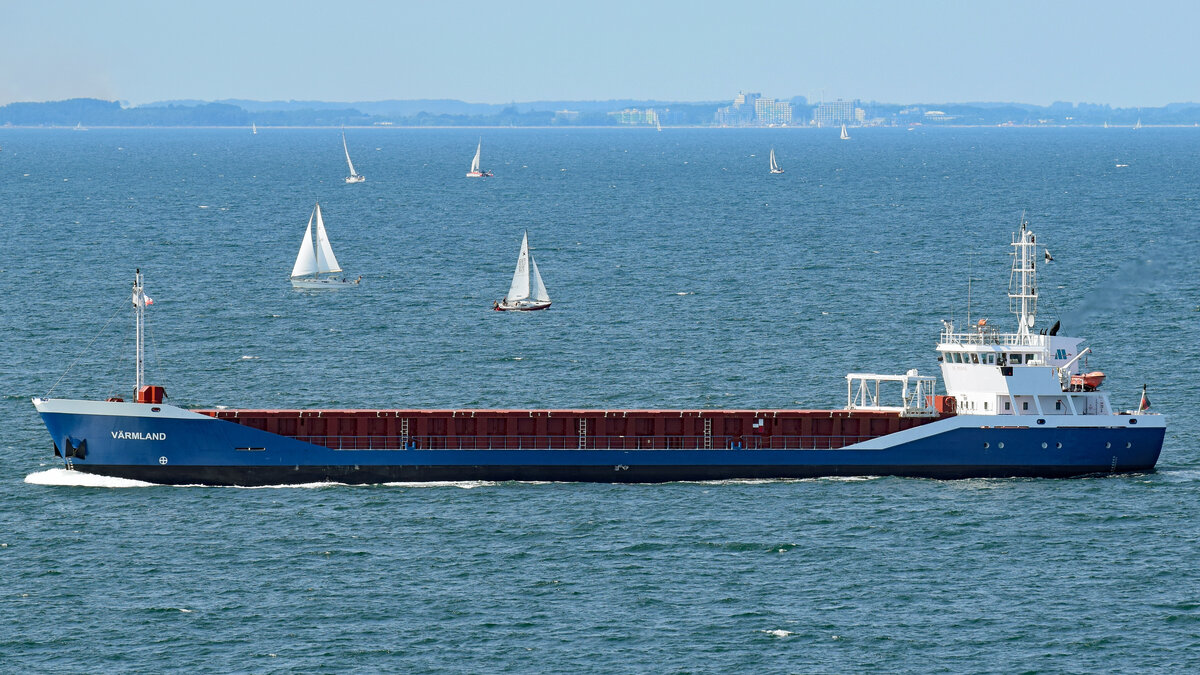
[
  {"x": 1107, "y": 445},
  {"x": 1058, "y": 445},
  {"x": 986, "y": 445},
  {"x": 1129, "y": 445},
  {"x": 1000, "y": 445},
  {"x": 1133, "y": 421},
  {"x": 1041, "y": 421},
  {"x": 1045, "y": 445}
]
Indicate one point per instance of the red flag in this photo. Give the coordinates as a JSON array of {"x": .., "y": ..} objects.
[{"x": 1145, "y": 405}]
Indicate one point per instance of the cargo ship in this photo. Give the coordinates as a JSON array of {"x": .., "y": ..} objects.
[{"x": 1015, "y": 404}]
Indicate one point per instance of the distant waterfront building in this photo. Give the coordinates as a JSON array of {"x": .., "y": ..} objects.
[
  {"x": 635, "y": 116},
  {"x": 829, "y": 113},
  {"x": 769, "y": 111},
  {"x": 566, "y": 115},
  {"x": 746, "y": 108}
]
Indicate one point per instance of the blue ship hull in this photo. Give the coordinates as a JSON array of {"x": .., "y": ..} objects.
[{"x": 174, "y": 446}]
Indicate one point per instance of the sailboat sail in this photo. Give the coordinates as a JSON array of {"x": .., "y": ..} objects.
[
  {"x": 520, "y": 282},
  {"x": 845, "y": 136},
  {"x": 539, "y": 288},
  {"x": 774, "y": 165},
  {"x": 348, "y": 162},
  {"x": 475, "y": 161},
  {"x": 306, "y": 260},
  {"x": 325, "y": 260}
]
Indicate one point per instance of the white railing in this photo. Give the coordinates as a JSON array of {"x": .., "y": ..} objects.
[
  {"x": 989, "y": 337},
  {"x": 916, "y": 395}
]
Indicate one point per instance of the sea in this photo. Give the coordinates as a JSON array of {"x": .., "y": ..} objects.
[{"x": 683, "y": 275}]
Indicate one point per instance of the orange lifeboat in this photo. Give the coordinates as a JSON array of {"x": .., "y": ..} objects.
[{"x": 1088, "y": 381}]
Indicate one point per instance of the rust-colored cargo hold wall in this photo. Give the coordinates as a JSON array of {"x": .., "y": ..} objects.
[{"x": 621, "y": 429}]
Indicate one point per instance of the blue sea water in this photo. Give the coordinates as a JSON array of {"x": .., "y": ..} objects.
[{"x": 683, "y": 275}]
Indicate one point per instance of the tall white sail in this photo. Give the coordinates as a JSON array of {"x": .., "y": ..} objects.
[
  {"x": 774, "y": 165},
  {"x": 325, "y": 260},
  {"x": 348, "y": 162},
  {"x": 306, "y": 260},
  {"x": 845, "y": 136},
  {"x": 520, "y": 283},
  {"x": 539, "y": 289},
  {"x": 475, "y": 162}
]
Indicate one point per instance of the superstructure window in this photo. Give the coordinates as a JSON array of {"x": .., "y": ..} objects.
[
  {"x": 1058, "y": 404},
  {"x": 1025, "y": 405},
  {"x": 974, "y": 358},
  {"x": 1008, "y": 405},
  {"x": 1015, "y": 358}
]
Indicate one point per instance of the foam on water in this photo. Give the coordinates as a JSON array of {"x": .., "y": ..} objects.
[{"x": 66, "y": 478}]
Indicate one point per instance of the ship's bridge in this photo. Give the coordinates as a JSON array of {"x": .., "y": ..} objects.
[{"x": 1027, "y": 372}]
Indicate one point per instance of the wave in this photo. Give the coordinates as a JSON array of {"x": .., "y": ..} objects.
[{"x": 65, "y": 478}]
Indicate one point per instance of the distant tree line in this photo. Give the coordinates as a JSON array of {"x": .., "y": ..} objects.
[{"x": 95, "y": 112}]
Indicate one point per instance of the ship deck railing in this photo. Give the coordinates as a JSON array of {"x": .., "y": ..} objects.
[
  {"x": 573, "y": 442},
  {"x": 991, "y": 337}
]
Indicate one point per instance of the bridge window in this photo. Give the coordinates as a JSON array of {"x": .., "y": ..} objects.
[
  {"x": 1015, "y": 358},
  {"x": 1008, "y": 405},
  {"x": 990, "y": 358},
  {"x": 1058, "y": 404},
  {"x": 974, "y": 358},
  {"x": 1025, "y": 405}
]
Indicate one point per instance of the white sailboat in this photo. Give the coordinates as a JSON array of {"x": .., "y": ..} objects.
[
  {"x": 845, "y": 136},
  {"x": 354, "y": 176},
  {"x": 657, "y": 122},
  {"x": 475, "y": 171},
  {"x": 527, "y": 292},
  {"x": 253, "y": 128},
  {"x": 317, "y": 259},
  {"x": 1139, "y": 124},
  {"x": 775, "y": 168}
]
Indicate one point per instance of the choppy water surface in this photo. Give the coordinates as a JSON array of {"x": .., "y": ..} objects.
[{"x": 683, "y": 275}]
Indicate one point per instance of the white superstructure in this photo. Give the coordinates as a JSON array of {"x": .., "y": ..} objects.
[{"x": 1027, "y": 372}]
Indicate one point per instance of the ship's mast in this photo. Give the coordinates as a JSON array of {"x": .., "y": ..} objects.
[
  {"x": 139, "y": 310},
  {"x": 1022, "y": 284}
]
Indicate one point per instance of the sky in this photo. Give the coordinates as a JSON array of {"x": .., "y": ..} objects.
[{"x": 1126, "y": 53}]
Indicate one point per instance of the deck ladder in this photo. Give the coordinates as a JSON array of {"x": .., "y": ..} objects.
[
  {"x": 404, "y": 432},
  {"x": 708, "y": 433},
  {"x": 582, "y": 433}
]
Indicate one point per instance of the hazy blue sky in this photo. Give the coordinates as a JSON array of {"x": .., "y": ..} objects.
[{"x": 1126, "y": 52}]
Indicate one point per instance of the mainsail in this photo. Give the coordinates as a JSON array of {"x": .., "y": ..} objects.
[
  {"x": 353, "y": 173},
  {"x": 315, "y": 259},
  {"x": 520, "y": 283},
  {"x": 475, "y": 161},
  {"x": 774, "y": 165}
]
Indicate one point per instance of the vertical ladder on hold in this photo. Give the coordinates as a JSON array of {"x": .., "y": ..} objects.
[
  {"x": 582, "y": 433},
  {"x": 708, "y": 433},
  {"x": 404, "y": 432}
]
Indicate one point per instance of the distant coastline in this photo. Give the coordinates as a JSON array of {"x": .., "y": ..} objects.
[{"x": 96, "y": 113}]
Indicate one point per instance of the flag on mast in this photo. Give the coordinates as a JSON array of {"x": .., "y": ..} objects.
[{"x": 1145, "y": 404}]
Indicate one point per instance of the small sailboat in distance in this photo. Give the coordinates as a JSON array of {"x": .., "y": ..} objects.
[
  {"x": 775, "y": 168},
  {"x": 1138, "y": 125},
  {"x": 845, "y": 136},
  {"x": 354, "y": 176},
  {"x": 475, "y": 171},
  {"x": 317, "y": 259},
  {"x": 253, "y": 128},
  {"x": 527, "y": 292},
  {"x": 657, "y": 122}
]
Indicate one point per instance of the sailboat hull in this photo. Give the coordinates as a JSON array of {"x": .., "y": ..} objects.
[
  {"x": 524, "y": 306},
  {"x": 328, "y": 283},
  {"x": 478, "y": 174},
  {"x": 355, "y": 179}
]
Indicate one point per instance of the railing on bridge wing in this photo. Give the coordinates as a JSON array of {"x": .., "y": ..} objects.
[{"x": 746, "y": 442}]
